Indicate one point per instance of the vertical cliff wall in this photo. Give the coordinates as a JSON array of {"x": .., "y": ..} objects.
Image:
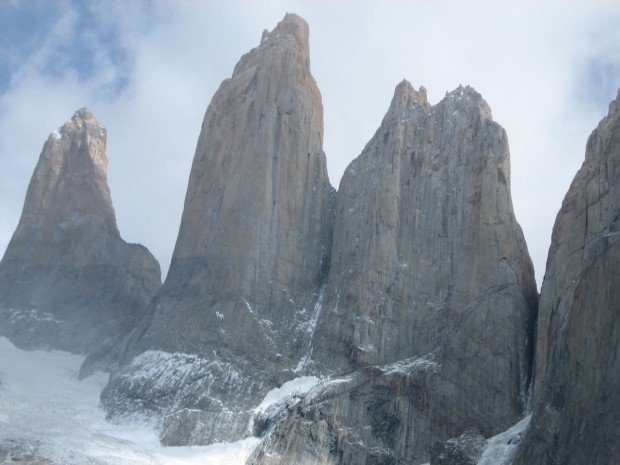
[
  {"x": 253, "y": 245},
  {"x": 429, "y": 308},
  {"x": 577, "y": 370}
]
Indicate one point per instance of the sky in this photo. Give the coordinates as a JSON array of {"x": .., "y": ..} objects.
[{"x": 148, "y": 70}]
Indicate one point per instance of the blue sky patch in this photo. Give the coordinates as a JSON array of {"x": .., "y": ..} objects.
[{"x": 59, "y": 37}]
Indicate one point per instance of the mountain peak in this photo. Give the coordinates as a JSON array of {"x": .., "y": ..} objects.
[
  {"x": 83, "y": 122},
  {"x": 84, "y": 114},
  {"x": 286, "y": 43},
  {"x": 66, "y": 260},
  {"x": 466, "y": 98},
  {"x": 292, "y": 26},
  {"x": 407, "y": 98}
]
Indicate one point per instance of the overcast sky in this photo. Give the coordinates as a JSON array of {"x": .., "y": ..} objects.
[{"x": 149, "y": 69}]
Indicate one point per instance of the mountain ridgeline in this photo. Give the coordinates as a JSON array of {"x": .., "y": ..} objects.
[{"x": 395, "y": 321}]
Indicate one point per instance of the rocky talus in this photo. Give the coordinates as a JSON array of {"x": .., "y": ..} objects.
[
  {"x": 253, "y": 250},
  {"x": 577, "y": 365},
  {"x": 68, "y": 280},
  {"x": 426, "y": 320}
]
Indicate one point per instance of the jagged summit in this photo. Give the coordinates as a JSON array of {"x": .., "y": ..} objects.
[
  {"x": 408, "y": 105},
  {"x": 70, "y": 180},
  {"x": 286, "y": 46},
  {"x": 291, "y": 26},
  {"x": 406, "y": 100},
  {"x": 466, "y": 99},
  {"x": 82, "y": 120},
  {"x": 67, "y": 280},
  {"x": 84, "y": 114}
]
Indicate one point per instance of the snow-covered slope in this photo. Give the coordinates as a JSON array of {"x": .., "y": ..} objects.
[
  {"x": 501, "y": 449},
  {"x": 46, "y": 412}
]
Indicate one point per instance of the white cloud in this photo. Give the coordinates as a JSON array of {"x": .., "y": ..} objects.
[{"x": 529, "y": 60}]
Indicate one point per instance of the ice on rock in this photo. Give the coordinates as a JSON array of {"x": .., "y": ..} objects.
[{"x": 293, "y": 388}]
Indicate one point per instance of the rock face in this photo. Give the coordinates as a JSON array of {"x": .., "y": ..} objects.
[
  {"x": 431, "y": 297},
  {"x": 252, "y": 251},
  {"x": 467, "y": 449},
  {"x": 577, "y": 376},
  {"x": 67, "y": 280}
]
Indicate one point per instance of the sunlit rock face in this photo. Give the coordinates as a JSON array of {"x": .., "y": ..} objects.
[
  {"x": 68, "y": 280},
  {"x": 577, "y": 369},
  {"x": 252, "y": 251},
  {"x": 431, "y": 296}
]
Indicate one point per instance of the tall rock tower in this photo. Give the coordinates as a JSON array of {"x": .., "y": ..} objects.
[
  {"x": 253, "y": 245},
  {"x": 577, "y": 369},
  {"x": 67, "y": 280},
  {"x": 429, "y": 309}
]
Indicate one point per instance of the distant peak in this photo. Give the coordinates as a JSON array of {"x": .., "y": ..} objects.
[
  {"x": 467, "y": 97},
  {"x": 85, "y": 114},
  {"x": 403, "y": 87},
  {"x": 82, "y": 121},
  {"x": 406, "y": 97},
  {"x": 290, "y": 39},
  {"x": 291, "y": 26},
  {"x": 293, "y": 18}
]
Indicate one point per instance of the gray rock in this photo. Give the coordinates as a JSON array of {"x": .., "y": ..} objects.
[
  {"x": 67, "y": 280},
  {"x": 577, "y": 374},
  {"x": 373, "y": 416},
  {"x": 253, "y": 245},
  {"x": 464, "y": 450},
  {"x": 430, "y": 274}
]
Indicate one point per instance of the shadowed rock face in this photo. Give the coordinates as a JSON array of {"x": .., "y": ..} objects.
[
  {"x": 67, "y": 280},
  {"x": 253, "y": 245},
  {"x": 431, "y": 296},
  {"x": 577, "y": 375}
]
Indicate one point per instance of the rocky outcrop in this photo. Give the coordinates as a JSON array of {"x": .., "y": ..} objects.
[
  {"x": 67, "y": 280},
  {"x": 431, "y": 296},
  {"x": 467, "y": 449},
  {"x": 577, "y": 375},
  {"x": 252, "y": 251}
]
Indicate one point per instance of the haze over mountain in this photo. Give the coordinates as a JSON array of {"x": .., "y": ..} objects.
[
  {"x": 67, "y": 279},
  {"x": 394, "y": 321}
]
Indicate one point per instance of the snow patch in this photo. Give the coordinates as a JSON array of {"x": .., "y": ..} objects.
[
  {"x": 45, "y": 406},
  {"x": 293, "y": 388},
  {"x": 310, "y": 329},
  {"x": 501, "y": 449},
  {"x": 408, "y": 365},
  {"x": 32, "y": 315}
]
